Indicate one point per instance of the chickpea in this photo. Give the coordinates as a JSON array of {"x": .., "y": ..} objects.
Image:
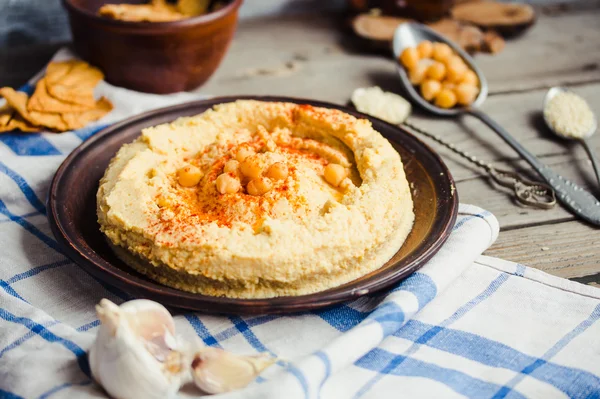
[
  {"x": 346, "y": 184},
  {"x": 270, "y": 146},
  {"x": 456, "y": 69},
  {"x": 436, "y": 71},
  {"x": 425, "y": 49},
  {"x": 409, "y": 58},
  {"x": 227, "y": 184},
  {"x": 259, "y": 186},
  {"x": 243, "y": 153},
  {"x": 445, "y": 99},
  {"x": 430, "y": 89},
  {"x": 446, "y": 84},
  {"x": 277, "y": 171},
  {"x": 189, "y": 176},
  {"x": 334, "y": 174},
  {"x": 418, "y": 73},
  {"x": 466, "y": 93},
  {"x": 441, "y": 51},
  {"x": 470, "y": 77},
  {"x": 231, "y": 166},
  {"x": 250, "y": 167}
]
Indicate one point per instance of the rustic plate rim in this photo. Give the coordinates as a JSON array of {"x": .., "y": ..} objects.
[{"x": 113, "y": 275}]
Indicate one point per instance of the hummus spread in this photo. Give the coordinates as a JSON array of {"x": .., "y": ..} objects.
[{"x": 257, "y": 199}]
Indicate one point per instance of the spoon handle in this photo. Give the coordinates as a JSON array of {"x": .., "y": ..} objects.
[
  {"x": 595, "y": 163},
  {"x": 576, "y": 199}
]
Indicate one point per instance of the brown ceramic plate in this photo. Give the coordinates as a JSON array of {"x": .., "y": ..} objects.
[{"x": 72, "y": 216}]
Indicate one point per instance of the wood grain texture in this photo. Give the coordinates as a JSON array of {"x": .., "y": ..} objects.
[{"x": 563, "y": 249}]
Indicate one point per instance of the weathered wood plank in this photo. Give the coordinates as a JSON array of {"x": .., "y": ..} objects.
[
  {"x": 564, "y": 249},
  {"x": 559, "y": 49}
]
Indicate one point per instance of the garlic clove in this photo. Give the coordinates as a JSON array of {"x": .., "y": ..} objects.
[
  {"x": 148, "y": 319},
  {"x": 215, "y": 370},
  {"x": 134, "y": 354}
]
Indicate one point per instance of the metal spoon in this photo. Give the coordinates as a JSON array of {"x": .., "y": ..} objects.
[
  {"x": 583, "y": 139},
  {"x": 576, "y": 199}
]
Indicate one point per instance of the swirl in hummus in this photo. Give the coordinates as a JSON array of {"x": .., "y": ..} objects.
[{"x": 257, "y": 199}]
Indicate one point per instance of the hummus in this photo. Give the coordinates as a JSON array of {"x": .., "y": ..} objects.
[{"x": 257, "y": 199}]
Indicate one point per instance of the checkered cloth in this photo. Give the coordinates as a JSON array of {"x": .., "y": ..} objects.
[{"x": 465, "y": 325}]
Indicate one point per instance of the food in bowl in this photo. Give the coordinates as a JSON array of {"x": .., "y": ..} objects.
[
  {"x": 257, "y": 199},
  {"x": 441, "y": 75},
  {"x": 157, "y": 58},
  {"x": 157, "y": 10}
]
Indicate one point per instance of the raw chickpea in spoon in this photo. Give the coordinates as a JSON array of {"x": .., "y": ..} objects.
[{"x": 442, "y": 75}]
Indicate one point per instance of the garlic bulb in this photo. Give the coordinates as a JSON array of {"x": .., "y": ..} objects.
[
  {"x": 215, "y": 370},
  {"x": 135, "y": 354}
]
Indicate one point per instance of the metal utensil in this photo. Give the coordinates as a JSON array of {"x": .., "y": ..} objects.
[
  {"x": 583, "y": 139},
  {"x": 576, "y": 199}
]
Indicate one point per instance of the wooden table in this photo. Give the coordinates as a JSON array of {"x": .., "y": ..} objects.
[{"x": 314, "y": 57}]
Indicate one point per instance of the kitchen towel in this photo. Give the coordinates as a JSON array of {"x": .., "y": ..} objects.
[{"x": 464, "y": 325}]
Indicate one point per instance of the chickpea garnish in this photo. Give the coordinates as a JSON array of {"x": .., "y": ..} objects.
[
  {"x": 277, "y": 171},
  {"x": 445, "y": 99},
  {"x": 231, "y": 166},
  {"x": 250, "y": 167},
  {"x": 430, "y": 89},
  {"x": 436, "y": 71},
  {"x": 334, "y": 174},
  {"x": 227, "y": 184},
  {"x": 259, "y": 186},
  {"x": 425, "y": 49},
  {"x": 409, "y": 57},
  {"x": 189, "y": 176},
  {"x": 243, "y": 153}
]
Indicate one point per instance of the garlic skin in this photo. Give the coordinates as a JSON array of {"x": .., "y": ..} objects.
[
  {"x": 135, "y": 354},
  {"x": 216, "y": 371}
]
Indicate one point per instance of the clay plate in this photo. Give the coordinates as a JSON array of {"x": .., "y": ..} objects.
[{"x": 72, "y": 216}]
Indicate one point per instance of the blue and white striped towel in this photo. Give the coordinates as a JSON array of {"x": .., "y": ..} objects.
[{"x": 465, "y": 325}]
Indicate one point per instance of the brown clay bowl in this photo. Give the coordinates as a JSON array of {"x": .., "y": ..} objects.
[
  {"x": 163, "y": 57},
  {"x": 72, "y": 216}
]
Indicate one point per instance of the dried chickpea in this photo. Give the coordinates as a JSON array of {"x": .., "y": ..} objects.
[
  {"x": 277, "y": 171},
  {"x": 470, "y": 78},
  {"x": 250, "y": 167},
  {"x": 466, "y": 93},
  {"x": 445, "y": 99},
  {"x": 441, "y": 51},
  {"x": 455, "y": 69},
  {"x": 189, "y": 176},
  {"x": 227, "y": 184},
  {"x": 231, "y": 166},
  {"x": 430, "y": 89},
  {"x": 446, "y": 84},
  {"x": 436, "y": 71},
  {"x": 409, "y": 58},
  {"x": 259, "y": 186},
  {"x": 243, "y": 153},
  {"x": 418, "y": 73},
  {"x": 425, "y": 49},
  {"x": 334, "y": 174}
]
